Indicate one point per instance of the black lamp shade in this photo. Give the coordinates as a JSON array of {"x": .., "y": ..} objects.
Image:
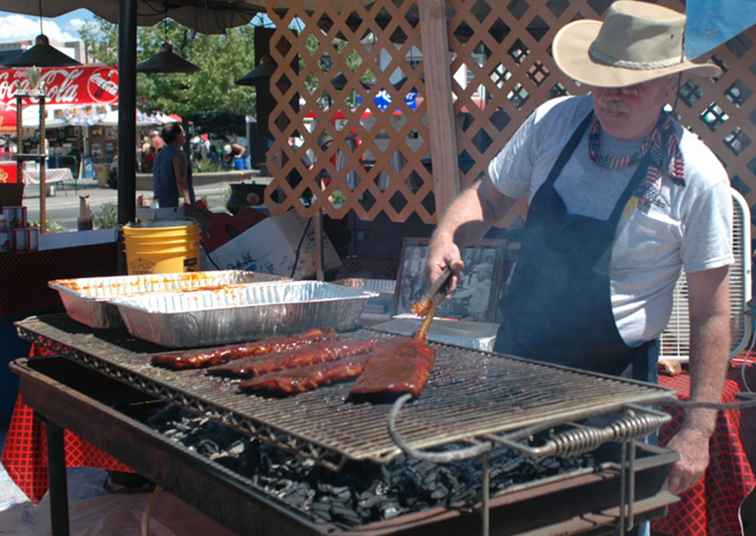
[
  {"x": 166, "y": 61},
  {"x": 262, "y": 72},
  {"x": 42, "y": 55}
]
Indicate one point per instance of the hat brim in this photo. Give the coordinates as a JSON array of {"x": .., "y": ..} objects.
[{"x": 570, "y": 49}]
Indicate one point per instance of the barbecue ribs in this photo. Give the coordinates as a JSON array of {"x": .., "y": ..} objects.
[
  {"x": 217, "y": 356},
  {"x": 322, "y": 352}
]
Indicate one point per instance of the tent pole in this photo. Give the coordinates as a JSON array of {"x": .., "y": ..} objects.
[{"x": 127, "y": 44}]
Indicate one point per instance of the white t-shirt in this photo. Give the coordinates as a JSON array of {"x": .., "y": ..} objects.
[{"x": 683, "y": 227}]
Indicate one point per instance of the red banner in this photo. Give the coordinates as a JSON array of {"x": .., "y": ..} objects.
[
  {"x": 81, "y": 84},
  {"x": 8, "y": 173}
]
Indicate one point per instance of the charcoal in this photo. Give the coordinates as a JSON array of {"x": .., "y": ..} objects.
[
  {"x": 390, "y": 510},
  {"x": 362, "y": 492},
  {"x": 345, "y": 515}
]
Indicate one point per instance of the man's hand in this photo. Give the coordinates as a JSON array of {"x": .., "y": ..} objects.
[
  {"x": 443, "y": 252},
  {"x": 693, "y": 446}
]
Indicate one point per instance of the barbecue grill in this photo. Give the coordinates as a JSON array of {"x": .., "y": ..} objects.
[{"x": 475, "y": 402}]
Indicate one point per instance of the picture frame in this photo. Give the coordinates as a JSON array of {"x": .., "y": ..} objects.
[{"x": 488, "y": 264}]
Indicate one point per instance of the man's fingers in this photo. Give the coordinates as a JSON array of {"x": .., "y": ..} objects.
[{"x": 680, "y": 479}]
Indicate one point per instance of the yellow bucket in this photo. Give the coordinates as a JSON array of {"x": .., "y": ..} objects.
[{"x": 162, "y": 247}]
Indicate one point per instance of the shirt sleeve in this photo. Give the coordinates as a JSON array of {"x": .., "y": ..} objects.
[
  {"x": 707, "y": 236},
  {"x": 511, "y": 169}
]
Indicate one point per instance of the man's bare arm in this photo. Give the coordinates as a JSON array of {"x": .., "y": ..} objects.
[
  {"x": 709, "y": 349},
  {"x": 180, "y": 170},
  {"x": 466, "y": 220}
]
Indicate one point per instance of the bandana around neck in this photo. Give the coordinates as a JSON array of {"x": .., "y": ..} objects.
[{"x": 662, "y": 145}]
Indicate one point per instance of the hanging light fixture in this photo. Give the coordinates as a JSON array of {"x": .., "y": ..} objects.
[
  {"x": 42, "y": 54},
  {"x": 264, "y": 70},
  {"x": 166, "y": 60}
]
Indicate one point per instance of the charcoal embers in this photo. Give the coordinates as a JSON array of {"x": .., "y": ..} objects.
[{"x": 362, "y": 492}]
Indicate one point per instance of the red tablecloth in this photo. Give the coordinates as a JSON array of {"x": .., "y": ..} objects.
[
  {"x": 25, "y": 452},
  {"x": 711, "y": 506}
]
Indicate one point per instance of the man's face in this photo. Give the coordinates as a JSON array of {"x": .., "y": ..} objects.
[{"x": 631, "y": 112}]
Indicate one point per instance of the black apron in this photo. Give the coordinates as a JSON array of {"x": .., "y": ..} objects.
[{"x": 558, "y": 306}]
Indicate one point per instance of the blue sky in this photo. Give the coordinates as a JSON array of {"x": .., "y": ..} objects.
[{"x": 15, "y": 27}]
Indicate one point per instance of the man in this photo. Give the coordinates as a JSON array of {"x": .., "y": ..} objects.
[
  {"x": 171, "y": 175},
  {"x": 235, "y": 156},
  {"x": 621, "y": 198}
]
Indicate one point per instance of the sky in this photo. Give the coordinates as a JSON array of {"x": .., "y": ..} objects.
[{"x": 15, "y": 27}]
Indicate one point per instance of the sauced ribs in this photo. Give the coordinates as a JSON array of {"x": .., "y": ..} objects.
[
  {"x": 217, "y": 356},
  {"x": 398, "y": 366},
  {"x": 322, "y": 352},
  {"x": 300, "y": 380}
]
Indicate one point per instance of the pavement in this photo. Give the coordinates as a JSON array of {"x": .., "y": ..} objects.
[{"x": 63, "y": 208}]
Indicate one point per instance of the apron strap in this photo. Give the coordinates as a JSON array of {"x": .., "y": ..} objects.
[{"x": 568, "y": 149}]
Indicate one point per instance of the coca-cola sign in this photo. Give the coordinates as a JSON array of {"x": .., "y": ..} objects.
[{"x": 82, "y": 84}]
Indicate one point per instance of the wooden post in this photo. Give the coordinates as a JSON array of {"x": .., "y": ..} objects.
[
  {"x": 443, "y": 141},
  {"x": 42, "y": 166},
  {"x": 19, "y": 143},
  {"x": 319, "y": 270}
]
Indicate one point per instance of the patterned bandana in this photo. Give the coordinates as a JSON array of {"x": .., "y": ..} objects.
[{"x": 664, "y": 149}]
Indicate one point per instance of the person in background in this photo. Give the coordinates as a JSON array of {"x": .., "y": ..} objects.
[
  {"x": 621, "y": 198},
  {"x": 147, "y": 155},
  {"x": 171, "y": 176},
  {"x": 235, "y": 156},
  {"x": 157, "y": 142}
]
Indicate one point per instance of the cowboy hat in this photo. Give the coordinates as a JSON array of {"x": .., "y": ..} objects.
[{"x": 637, "y": 42}]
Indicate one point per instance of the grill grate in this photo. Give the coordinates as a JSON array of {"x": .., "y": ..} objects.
[{"x": 470, "y": 394}]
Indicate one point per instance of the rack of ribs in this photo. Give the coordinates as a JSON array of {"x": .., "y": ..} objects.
[
  {"x": 196, "y": 359},
  {"x": 322, "y": 352},
  {"x": 399, "y": 366},
  {"x": 300, "y": 380}
]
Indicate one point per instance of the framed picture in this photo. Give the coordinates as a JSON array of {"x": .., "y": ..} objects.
[{"x": 488, "y": 264}]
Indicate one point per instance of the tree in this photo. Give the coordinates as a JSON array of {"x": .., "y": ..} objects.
[{"x": 221, "y": 59}]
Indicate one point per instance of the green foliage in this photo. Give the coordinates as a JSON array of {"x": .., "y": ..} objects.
[
  {"x": 106, "y": 216},
  {"x": 206, "y": 166},
  {"x": 51, "y": 226},
  {"x": 221, "y": 59}
]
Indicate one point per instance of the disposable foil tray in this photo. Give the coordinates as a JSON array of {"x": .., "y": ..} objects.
[
  {"x": 242, "y": 313},
  {"x": 87, "y": 300},
  {"x": 381, "y": 305}
]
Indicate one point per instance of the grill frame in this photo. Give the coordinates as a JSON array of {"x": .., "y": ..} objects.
[
  {"x": 119, "y": 356},
  {"x": 569, "y": 503}
]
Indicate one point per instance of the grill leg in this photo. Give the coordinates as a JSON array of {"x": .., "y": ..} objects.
[
  {"x": 56, "y": 474},
  {"x": 485, "y": 504}
]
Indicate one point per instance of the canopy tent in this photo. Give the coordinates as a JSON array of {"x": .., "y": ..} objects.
[{"x": 206, "y": 16}]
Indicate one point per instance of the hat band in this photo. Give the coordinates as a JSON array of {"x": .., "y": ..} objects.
[{"x": 606, "y": 59}]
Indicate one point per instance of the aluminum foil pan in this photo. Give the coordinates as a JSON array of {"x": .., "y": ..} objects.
[
  {"x": 87, "y": 300},
  {"x": 242, "y": 313},
  {"x": 381, "y": 305}
]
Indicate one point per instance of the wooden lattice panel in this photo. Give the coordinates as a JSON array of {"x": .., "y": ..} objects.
[
  {"x": 333, "y": 127},
  {"x": 502, "y": 69}
]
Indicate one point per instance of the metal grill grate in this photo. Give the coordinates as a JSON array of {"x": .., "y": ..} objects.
[{"x": 469, "y": 394}]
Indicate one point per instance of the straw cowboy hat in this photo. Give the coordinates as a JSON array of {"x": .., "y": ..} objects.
[{"x": 637, "y": 42}]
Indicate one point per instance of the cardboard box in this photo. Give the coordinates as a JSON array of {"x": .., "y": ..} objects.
[{"x": 274, "y": 246}]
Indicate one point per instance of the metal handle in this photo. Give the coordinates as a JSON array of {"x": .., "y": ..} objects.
[
  {"x": 437, "y": 287},
  {"x": 639, "y": 422},
  {"x": 436, "y": 457},
  {"x": 581, "y": 439}
]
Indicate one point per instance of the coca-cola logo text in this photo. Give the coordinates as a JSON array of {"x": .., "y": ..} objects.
[{"x": 63, "y": 85}]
